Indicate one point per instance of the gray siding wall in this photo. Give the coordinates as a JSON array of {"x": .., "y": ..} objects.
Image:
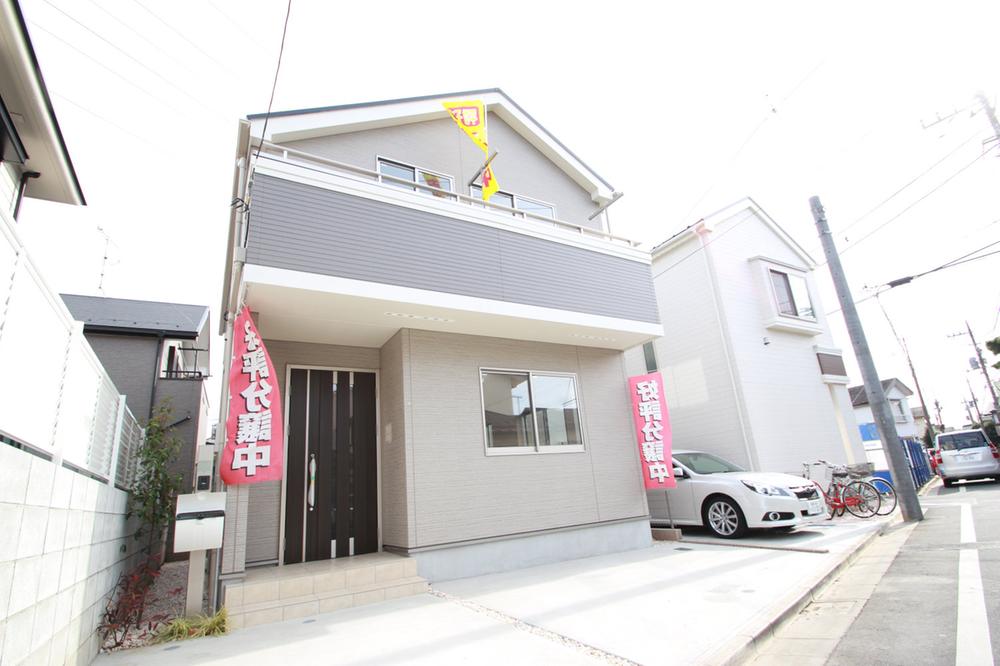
[
  {"x": 461, "y": 494},
  {"x": 131, "y": 363},
  {"x": 439, "y": 145},
  {"x": 307, "y": 228},
  {"x": 263, "y": 531}
]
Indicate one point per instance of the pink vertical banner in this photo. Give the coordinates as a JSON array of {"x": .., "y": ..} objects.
[
  {"x": 652, "y": 427},
  {"x": 255, "y": 448}
]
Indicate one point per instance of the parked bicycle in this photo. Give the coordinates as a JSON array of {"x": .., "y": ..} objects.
[{"x": 858, "y": 497}]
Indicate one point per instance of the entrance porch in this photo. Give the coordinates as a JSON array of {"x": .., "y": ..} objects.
[{"x": 273, "y": 594}]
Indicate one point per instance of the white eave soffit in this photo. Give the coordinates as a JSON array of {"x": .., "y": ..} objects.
[{"x": 355, "y": 118}]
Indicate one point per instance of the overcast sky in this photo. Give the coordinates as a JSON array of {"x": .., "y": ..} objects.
[{"x": 685, "y": 107}]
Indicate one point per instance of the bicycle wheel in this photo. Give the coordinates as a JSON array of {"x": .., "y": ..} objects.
[
  {"x": 861, "y": 499},
  {"x": 886, "y": 493}
]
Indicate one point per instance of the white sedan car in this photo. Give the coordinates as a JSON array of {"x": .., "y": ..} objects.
[{"x": 728, "y": 500}]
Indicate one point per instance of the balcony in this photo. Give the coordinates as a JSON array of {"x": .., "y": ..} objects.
[{"x": 338, "y": 253}]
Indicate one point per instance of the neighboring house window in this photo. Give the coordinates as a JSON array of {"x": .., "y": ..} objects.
[
  {"x": 526, "y": 412},
  {"x": 416, "y": 175},
  {"x": 517, "y": 201},
  {"x": 898, "y": 411},
  {"x": 792, "y": 295},
  {"x": 650, "y": 354}
]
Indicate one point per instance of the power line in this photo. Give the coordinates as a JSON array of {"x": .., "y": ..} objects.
[
  {"x": 892, "y": 196},
  {"x": 119, "y": 127},
  {"x": 274, "y": 85},
  {"x": 128, "y": 55},
  {"x": 103, "y": 66},
  {"x": 900, "y": 213},
  {"x": 180, "y": 34}
]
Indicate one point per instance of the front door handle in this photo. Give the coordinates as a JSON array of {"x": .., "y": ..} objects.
[{"x": 311, "y": 494}]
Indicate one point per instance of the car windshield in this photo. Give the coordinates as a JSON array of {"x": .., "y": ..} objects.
[
  {"x": 706, "y": 463},
  {"x": 961, "y": 440}
]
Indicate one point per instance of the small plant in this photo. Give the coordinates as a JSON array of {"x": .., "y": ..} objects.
[
  {"x": 183, "y": 628},
  {"x": 125, "y": 607},
  {"x": 152, "y": 494}
]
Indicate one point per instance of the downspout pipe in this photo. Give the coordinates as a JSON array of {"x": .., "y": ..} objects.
[{"x": 21, "y": 187}]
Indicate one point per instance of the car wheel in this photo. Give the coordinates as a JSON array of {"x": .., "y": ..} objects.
[{"x": 724, "y": 517}]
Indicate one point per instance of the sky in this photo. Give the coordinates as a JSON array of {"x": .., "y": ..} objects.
[{"x": 684, "y": 107}]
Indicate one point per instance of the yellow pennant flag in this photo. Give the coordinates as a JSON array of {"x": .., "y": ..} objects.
[
  {"x": 470, "y": 115},
  {"x": 490, "y": 185}
]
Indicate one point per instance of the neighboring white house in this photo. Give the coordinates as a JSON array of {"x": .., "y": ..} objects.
[
  {"x": 749, "y": 364},
  {"x": 896, "y": 392}
]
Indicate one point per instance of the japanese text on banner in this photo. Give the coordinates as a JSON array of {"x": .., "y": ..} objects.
[{"x": 652, "y": 424}]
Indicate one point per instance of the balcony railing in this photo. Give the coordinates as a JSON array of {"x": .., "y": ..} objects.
[{"x": 272, "y": 151}]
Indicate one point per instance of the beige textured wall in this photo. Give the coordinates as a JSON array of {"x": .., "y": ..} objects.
[
  {"x": 462, "y": 494},
  {"x": 397, "y": 510}
]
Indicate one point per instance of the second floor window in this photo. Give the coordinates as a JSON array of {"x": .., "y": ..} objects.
[
  {"x": 792, "y": 295},
  {"x": 415, "y": 175},
  {"x": 516, "y": 201}
]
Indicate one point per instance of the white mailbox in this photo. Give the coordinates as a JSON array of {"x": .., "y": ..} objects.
[{"x": 199, "y": 521}]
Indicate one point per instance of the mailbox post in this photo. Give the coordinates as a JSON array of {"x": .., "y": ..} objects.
[{"x": 198, "y": 526}]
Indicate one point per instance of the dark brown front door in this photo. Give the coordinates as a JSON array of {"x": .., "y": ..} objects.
[{"x": 331, "y": 491}]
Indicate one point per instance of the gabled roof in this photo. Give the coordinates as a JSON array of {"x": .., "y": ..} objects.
[
  {"x": 120, "y": 315},
  {"x": 28, "y": 110},
  {"x": 728, "y": 213},
  {"x": 294, "y": 125},
  {"x": 859, "y": 397}
]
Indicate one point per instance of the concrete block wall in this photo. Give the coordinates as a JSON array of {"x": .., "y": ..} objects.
[{"x": 64, "y": 540}]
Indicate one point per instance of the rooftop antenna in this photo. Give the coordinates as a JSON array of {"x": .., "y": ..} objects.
[{"x": 104, "y": 261}]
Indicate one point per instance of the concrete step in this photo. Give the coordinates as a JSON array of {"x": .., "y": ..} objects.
[{"x": 286, "y": 592}]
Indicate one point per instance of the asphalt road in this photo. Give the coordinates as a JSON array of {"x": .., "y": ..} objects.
[{"x": 939, "y": 601}]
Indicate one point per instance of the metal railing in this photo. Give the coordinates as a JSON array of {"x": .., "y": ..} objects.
[
  {"x": 57, "y": 398},
  {"x": 268, "y": 150}
]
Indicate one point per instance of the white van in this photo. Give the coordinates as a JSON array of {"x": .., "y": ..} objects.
[{"x": 966, "y": 454}]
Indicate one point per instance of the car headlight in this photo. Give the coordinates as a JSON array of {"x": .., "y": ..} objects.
[{"x": 766, "y": 490}]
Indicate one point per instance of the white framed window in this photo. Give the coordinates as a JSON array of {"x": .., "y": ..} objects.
[
  {"x": 396, "y": 169},
  {"x": 517, "y": 202},
  {"x": 649, "y": 354},
  {"x": 530, "y": 412},
  {"x": 791, "y": 295}
]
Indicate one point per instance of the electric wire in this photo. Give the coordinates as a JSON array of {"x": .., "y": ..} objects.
[
  {"x": 100, "y": 64},
  {"x": 124, "y": 130},
  {"x": 909, "y": 207},
  {"x": 180, "y": 34},
  {"x": 274, "y": 84},
  {"x": 749, "y": 215},
  {"x": 892, "y": 196},
  {"x": 127, "y": 55}
]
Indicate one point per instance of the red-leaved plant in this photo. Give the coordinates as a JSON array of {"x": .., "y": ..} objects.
[{"x": 124, "y": 610}]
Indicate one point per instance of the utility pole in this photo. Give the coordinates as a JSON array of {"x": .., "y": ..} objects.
[
  {"x": 974, "y": 402},
  {"x": 968, "y": 411},
  {"x": 909, "y": 361},
  {"x": 990, "y": 113},
  {"x": 937, "y": 408},
  {"x": 884, "y": 420},
  {"x": 982, "y": 363}
]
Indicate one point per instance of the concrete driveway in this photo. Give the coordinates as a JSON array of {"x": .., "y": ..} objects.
[{"x": 673, "y": 603}]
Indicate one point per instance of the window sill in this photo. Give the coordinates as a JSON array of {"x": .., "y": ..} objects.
[
  {"x": 793, "y": 325},
  {"x": 530, "y": 450},
  {"x": 835, "y": 379}
]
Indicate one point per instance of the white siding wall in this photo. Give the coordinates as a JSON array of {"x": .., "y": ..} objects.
[
  {"x": 692, "y": 358},
  {"x": 790, "y": 409},
  {"x": 8, "y": 187}
]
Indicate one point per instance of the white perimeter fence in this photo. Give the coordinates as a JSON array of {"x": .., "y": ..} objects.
[{"x": 55, "y": 396}]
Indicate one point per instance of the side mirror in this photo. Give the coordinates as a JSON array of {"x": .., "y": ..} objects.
[{"x": 679, "y": 473}]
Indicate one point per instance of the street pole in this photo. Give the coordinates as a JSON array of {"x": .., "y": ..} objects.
[
  {"x": 990, "y": 113},
  {"x": 884, "y": 420},
  {"x": 920, "y": 394},
  {"x": 975, "y": 403},
  {"x": 937, "y": 408},
  {"x": 968, "y": 411},
  {"x": 982, "y": 366}
]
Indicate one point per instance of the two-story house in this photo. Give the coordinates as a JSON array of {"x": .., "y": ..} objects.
[
  {"x": 750, "y": 369},
  {"x": 157, "y": 354},
  {"x": 898, "y": 394},
  {"x": 452, "y": 370}
]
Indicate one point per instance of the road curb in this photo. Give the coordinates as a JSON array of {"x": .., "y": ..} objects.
[{"x": 742, "y": 648}]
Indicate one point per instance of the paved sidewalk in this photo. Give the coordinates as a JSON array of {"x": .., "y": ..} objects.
[{"x": 673, "y": 603}]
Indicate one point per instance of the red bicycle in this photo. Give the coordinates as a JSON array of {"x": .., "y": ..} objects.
[{"x": 860, "y": 498}]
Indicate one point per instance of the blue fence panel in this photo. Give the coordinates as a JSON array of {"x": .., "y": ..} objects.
[{"x": 916, "y": 458}]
